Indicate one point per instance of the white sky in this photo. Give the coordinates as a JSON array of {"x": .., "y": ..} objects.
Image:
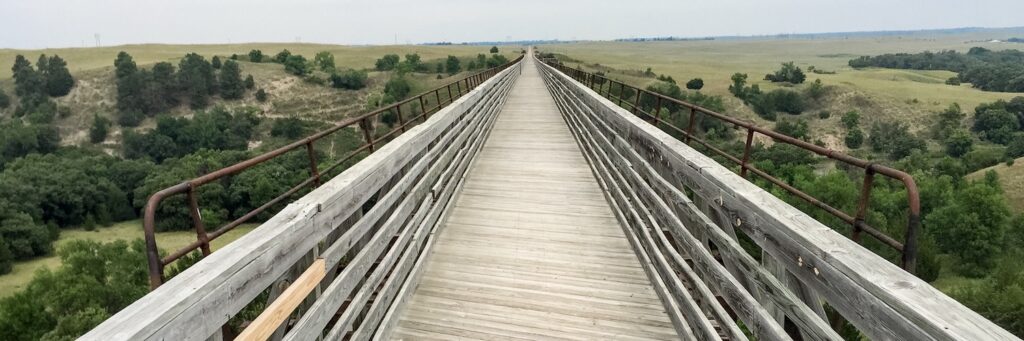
[{"x": 71, "y": 23}]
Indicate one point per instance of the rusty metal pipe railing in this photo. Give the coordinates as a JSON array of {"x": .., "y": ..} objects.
[
  {"x": 907, "y": 248},
  {"x": 363, "y": 122}
]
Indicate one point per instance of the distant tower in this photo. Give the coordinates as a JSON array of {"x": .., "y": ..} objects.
[
  {"x": 396, "y": 38},
  {"x": 97, "y": 37}
]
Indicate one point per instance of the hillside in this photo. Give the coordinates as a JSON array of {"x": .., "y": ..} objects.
[
  {"x": 289, "y": 95},
  {"x": 1011, "y": 178}
]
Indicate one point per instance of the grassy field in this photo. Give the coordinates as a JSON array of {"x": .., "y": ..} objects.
[
  {"x": 880, "y": 94},
  {"x": 128, "y": 230}
]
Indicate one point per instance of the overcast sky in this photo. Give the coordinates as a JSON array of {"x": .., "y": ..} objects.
[{"x": 70, "y": 23}]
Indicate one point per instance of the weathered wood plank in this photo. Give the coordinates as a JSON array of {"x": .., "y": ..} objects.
[{"x": 268, "y": 321}]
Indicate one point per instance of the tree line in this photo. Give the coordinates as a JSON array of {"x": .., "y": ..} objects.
[{"x": 985, "y": 69}]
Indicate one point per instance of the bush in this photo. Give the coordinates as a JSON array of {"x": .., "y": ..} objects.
[
  {"x": 955, "y": 80},
  {"x": 215, "y": 62},
  {"x": 387, "y": 63},
  {"x": 788, "y": 73},
  {"x": 261, "y": 95},
  {"x": 249, "y": 82},
  {"x": 494, "y": 49},
  {"x": 130, "y": 118},
  {"x": 695, "y": 84},
  {"x": 100, "y": 128},
  {"x": 255, "y": 56},
  {"x": 349, "y": 79},
  {"x": 231, "y": 84},
  {"x": 959, "y": 143},
  {"x": 324, "y": 60},
  {"x": 290, "y": 128},
  {"x": 793, "y": 128},
  {"x": 854, "y": 138},
  {"x": 816, "y": 90},
  {"x": 851, "y": 119},
  {"x": 282, "y": 56},
  {"x": 452, "y": 66},
  {"x": 296, "y": 65},
  {"x": 396, "y": 90},
  {"x": 894, "y": 139},
  {"x": 824, "y": 114}
]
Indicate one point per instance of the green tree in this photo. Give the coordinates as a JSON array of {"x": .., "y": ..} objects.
[
  {"x": 815, "y": 90},
  {"x": 324, "y": 60},
  {"x": 196, "y": 76},
  {"x": 794, "y": 128},
  {"x": 261, "y": 95},
  {"x": 894, "y": 139},
  {"x": 481, "y": 60},
  {"x": 250, "y": 83},
  {"x": 282, "y": 56},
  {"x": 216, "y": 62},
  {"x": 100, "y": 128},
  {"x": 788, "y": 73},
  {"x": 854, "y": 138},
  {"x": 1015, "y": 148},
  {"x": 452, "y": 65},
  {"x": 58, "y": 79},
  {"x": 851, "y": 119},
  {"x": 95, "y": 281},
  {"x": 950, "y": 121},
  {"x": 396, "y": 89},
  {"x": 959, "y": 143},
  {"x": 494, "y": 49},
  {"x": 296, "y": 65},
  {"x": 290, "y": 128},
  {"x": 27, "y": 81},
  {"x": 255, "y": 56},
  {"x": 996, "y": 124},
  {"x": 971, "y": 226},
  {"x": 231, "y": 85},
  {"x": 739, "y": 83},
  {"x": 695, "y": 84},
  {"x": 387, "y": 63},
  {"x": 349, "y": 79}
]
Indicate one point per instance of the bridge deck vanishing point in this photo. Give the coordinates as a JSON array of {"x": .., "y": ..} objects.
[{"x": 531, "y": 248}]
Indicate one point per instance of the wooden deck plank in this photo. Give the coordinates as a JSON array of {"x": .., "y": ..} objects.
[{"x": 531, "y": 249}]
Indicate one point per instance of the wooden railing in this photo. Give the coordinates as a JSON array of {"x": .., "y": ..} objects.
[
  {"x": 336, "y": 262},
  {"x": 684, "y": 214}
]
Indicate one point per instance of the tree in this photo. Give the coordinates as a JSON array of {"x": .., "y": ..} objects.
[
  {"x": 783, "y": 100},
  {"x": 971, "y": 226},
  {"x": 396, "y": 90},
  {"x": 739, "y": 82},
  {"x": 995, "y": 124},
  {"x": 496, "y": 60},
  {"x": 695, "y": 84},
  {"x": 296, "y": 65},
  {"x": 282, "y": 56},
  {"x": 794, "y": 128},
  {"x": 1015, "y": 148},
  {"x": 349, "y": 79},
  {"x": 494, "y": 49},
  {"x": 816, "y": 90},
  {"x": 290, "y": 128},
  {"x": 452, "y": 66},
  {"x": 854, "y": 138},
  {"x": 481, "y": 60},
  {"x": 788, "y": 73},
  {"x": 959, "y": 143},
  {"x": 894, "y": 139},
  {"x": 851, "y": 119},
  {"x": 439, "y": 69},
  {"x": 196, "y": 76},
  {"x": 95, "y": 281},
  {"x": 387, "y": 63},
  {"x": 949, "y": 121},
  {"x": 215, "y": 62},
  {"x": 249, "y": 82},
  {"x": 255, "y": 56},
  {"x": 58, "y": 79},
  {"x": 324, "y": 60},
  {"x": 231, "y": 85},
  {"x": 27, "y": 81},
  {"x": 261, "y": 95},
  {"x": 100, "y": 128}
]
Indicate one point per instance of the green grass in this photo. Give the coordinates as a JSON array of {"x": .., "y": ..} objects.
[{"x": 128, "y": 230}]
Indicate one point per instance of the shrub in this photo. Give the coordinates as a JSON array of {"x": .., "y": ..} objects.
[
  {"x": 494, "y": 49},
  {"x": 396, "y": 90},
  {"x": 788, "y": 73},
  {"x": 261, "y": 95},
  {"x": 854, "y": 138},
  {"x": 452, "y": 66},
  {"x": 249, "y": 82},
  {"x": 824, "y": 114},
  {"x": 794, "y": 128},
  {"x": 387, "y": 63},
  {"x": 349, "y": 79},
  {"x": 851, "y": 119},
  {"x": 282, "y": 56},
  {"x": 695, "y": 84},
  {"x": 5, "y": 101},
  {"x": 100, "y": 128},
  {"x": 959, "y": 143},
  {"x": 255, "y": 56},
  {"x": 894, "y": 139},
  {"x": 290, "y": 128},
  {"x": 955, "y": 80},
  {"x": 215, "y": 62},
  {"x": 296, "y": 65}
]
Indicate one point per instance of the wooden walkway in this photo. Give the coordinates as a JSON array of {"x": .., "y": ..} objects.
[{"x": 531, "y": 249}]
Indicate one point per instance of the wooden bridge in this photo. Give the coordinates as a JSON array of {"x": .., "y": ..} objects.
[{"x": 533, "y": 208}]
